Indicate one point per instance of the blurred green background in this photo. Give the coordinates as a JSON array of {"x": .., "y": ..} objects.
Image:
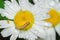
[{"x": 4, "y": 18}]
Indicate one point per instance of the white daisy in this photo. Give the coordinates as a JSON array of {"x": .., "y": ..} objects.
[
  {"x": 46, "y": 2},
  {"x": 24, "y": 21},
  {"x": 57, "y": 1},
  {"x": 54, "y": 19}
]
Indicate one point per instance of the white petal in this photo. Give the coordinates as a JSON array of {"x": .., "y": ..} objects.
[
  {"x": 4, "y": 24},
  {"x": 12, "y": 0},
  {"x": 27, "y": 35},
  {"x": 6, "y": 32},
  {"x": 2, "y": 10},
  {"x": 25, "y": 4},
  {"x": 17, "y": 7},
  {"x": 48, "y": 24},
  {"x": 8, "y": 3},
  {"x": 4, "y": 13},
  {"x": 41, "y": 16},
  {"x": 57, "y": 7},
  {"x": 32, "y": 35},
  {"x": 9, "y": 11},
  {"x": 14, "y": 36},
  {"x": 57, "y": 27},
  {"x": 31, "y": 39},
  {"x": 43, "y": 23},
  {"x": 41, "y": 4},
  {"x": 13, "y": 5},
  {"x": 50, "y": 3},
  {"x": 51, "y": 35},
  {"x": 23, "y": 34},
  {"x": 36, "y": 1},
  {"x": 40, "y": 12},
  {"x": 39, "y": 31},
  {"x": 56, "y": 1}
]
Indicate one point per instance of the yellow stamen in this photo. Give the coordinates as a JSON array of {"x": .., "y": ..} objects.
[
  {"x": 54, "y": 17},
  {"x": 8, "y": 21},
  {"x": 24, "y": 26},
  {"x": 23, "y": 20}
]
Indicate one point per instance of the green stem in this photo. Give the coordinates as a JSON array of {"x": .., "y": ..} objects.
[{"x": 11, "y": 19}]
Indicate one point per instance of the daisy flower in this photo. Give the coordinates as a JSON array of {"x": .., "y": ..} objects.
[
  {"x": 53, "y": 20},
  {"x": 24, "y": 20}
]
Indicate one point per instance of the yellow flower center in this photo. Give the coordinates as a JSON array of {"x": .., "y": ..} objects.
[
  {"x": 23, "y": 20},
  {"x": 54, "y": 17}
]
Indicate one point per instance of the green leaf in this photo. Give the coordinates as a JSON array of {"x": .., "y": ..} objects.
[
  {"x": 5, "y": 18},
  {"x": 1, "y": 3},
  {"x": 31, "y": 1}
]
